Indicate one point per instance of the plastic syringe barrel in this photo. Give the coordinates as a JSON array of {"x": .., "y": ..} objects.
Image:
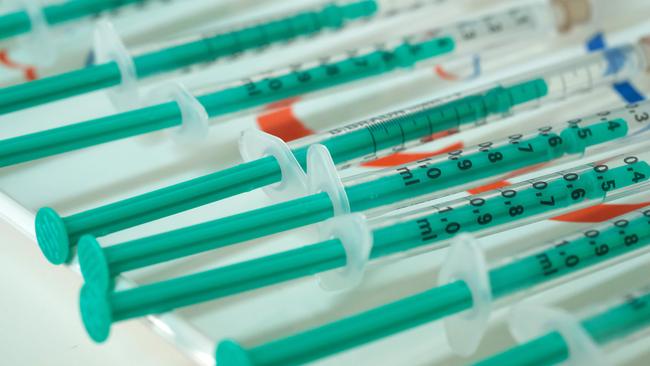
[
  {"x": 234, "y": 99},
  {"x": 518, "y": 202},
  {"x": 60, "y": 140},
  {"x": 356, "y": 141},
  {"x": 540, "y": 197},
  {"x": 413, "y": 182},
  {"x": 472, "y": 35},
  {"x": 101, "y": 76},
  {"x": 550, "y": 83},
  {"x": 18, "y": 22},
  {"x": 241, "y": 97},
  {"x": 331, "y": 16},
  {"x": 427, "y": 306},
  {"x": 57, "y": 236},
  {"x": 606, "y": 326},
  {"x": 578, "y": 134}
]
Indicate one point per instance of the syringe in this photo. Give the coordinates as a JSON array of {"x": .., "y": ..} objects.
[
  {"x": 203, "y": 49},
  {"x": 388, "y": 188},
  {"x": 362, "y": 140},
  {"x": 242, "y": 96},
  {"x": 19, "y": 22},
  {"x": 616, "y": 322},
  {"x": 261, "y": 90},
  {"x": 47, "y": 51},
  {"x": 264, "y": 89},
  {"x": 557, "y": 261},
  {"x": 309, "y": 114},
  {"x": 533, "y": 198}
]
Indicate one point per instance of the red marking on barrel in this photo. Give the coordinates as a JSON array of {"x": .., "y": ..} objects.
[
  {"x": 29, "y": 72},
  {"x": 489, "y": 187},
  {"x": 280, "y": 120},
  {"x": 600, "y": 213},
  {"x": 444, "y": 74}
]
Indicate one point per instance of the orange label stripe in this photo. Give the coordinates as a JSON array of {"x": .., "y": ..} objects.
[{"x": 600, "y": 213}]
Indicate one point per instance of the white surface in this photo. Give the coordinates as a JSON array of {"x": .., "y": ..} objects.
[
  {"x": 79, "y": 180},
  {"x": 39, "y": 321}
]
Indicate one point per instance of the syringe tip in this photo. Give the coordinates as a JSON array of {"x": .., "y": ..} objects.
[
  {"x": 230, "y": 353},
  {"x": 52, "y": 236},
  {"x": 95, "y": 312},
  {"x": 572, "y": 13},
  {"x": 93, "y": 264}
]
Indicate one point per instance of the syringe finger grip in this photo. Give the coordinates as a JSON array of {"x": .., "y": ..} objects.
[
  {"x": 109, "y": 47},
  {"x": 528, "y": 321},
  {"x": 194, "y": 127},
  {"x": 355, "y": 235},
  {"x": 465, "y": 261},
  {"x": 322, "y": 176},
  {"x": 255, "y": 144}
]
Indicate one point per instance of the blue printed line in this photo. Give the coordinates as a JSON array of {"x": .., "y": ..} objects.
[{"x": 615, "y": 59}]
